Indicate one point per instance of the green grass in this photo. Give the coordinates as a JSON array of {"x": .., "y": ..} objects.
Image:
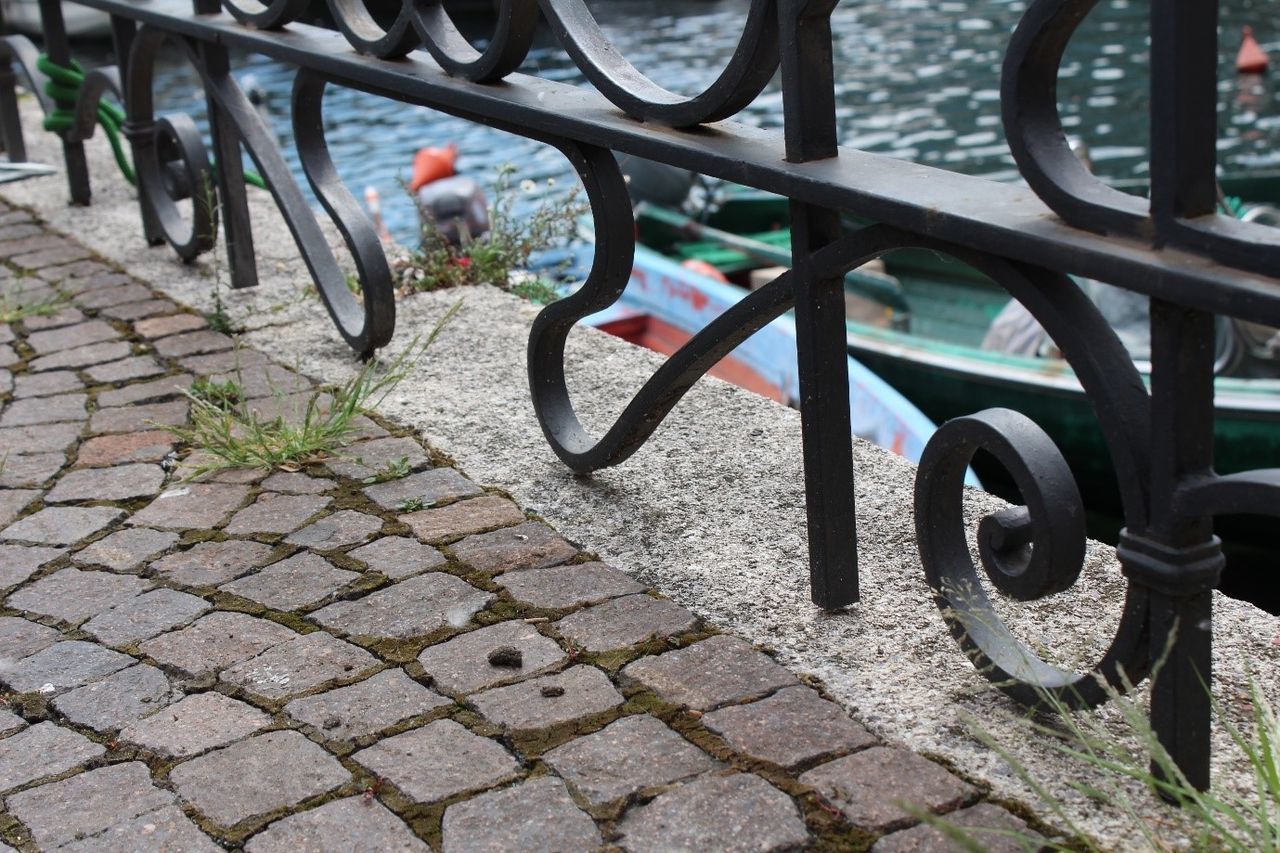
[
  {"x": 12, "y": 311},
  {"x": 235, "y": 436}
]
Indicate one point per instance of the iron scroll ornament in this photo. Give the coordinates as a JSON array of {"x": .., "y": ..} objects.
[{"x": 364, "y": 327}]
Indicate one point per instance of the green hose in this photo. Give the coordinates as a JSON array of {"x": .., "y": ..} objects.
[{"x": 64, "y": 88}]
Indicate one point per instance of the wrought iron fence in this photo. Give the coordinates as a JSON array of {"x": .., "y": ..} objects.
[{"x": 1191, "y": 262}]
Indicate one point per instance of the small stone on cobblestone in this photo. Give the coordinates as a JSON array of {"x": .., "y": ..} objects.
[
  {"x": 627, "y": 756},
  {"x": 986, "y": 824},
  {"x": 362, "y": 710},
  {"x": 398, "y": 557},
  {"x": 415, "y": 607},
  {"x": 142, "y": 392},
  {"x": 439, "y": 760},
  {"x": 463, "y": 665},
  {"x": 711, "y": 673},
  {"x": 791, "y": 727},
  {"x": 740, "y": 812},
  {"x": 193, "y": 343},
  {"x": 56, "y": 340},
  {"x": 78, "y": 357},
  {"x": 126, "y": 550},
  {"x": 463, "y": 518},
  {"x": 119, "y": 483},
  {"x": 45, "y": 410},
  {"x": 625, "y": 622},
  {"x": 346, "y": 527},
  {"x": 191, "y": 505},
  {"x": 19, "y": 562},
  {"x": 196, "y": 724},
  {"x": 869, "y": 787},
  {"x": 160, "y": 327},
  {"x": 145, "y": 616},
  {"x": 119, "y": 699},
  {"x": 73, "y": 596},
  {"x": 257, "y": 776},
  {"x": 61, "y": 525},
  {"x": 32, "y": 469},
  {"x": 296, "y": 484},
  {"x": 273, "y": 513},
  {"x": 300, "y": 666},
  {"x": 20, "y": 637},
  {"x": 63, "y": 666},
  {"x": 301, "y": 581},
  {"x": 146, "y": 446},
  {"x": 39, "y": 439},
  {"x": 138, "y": 418},
  {"x": 560, "y": 587},
  {"x": 524, "y": 707},
  {"x": 426, "y": 487},
  {"x": 59, "y": 750},
  {"x": 214, "y": 642},
  {"x": 367, "y": 458},
  {"x": 535, "y": 815},
  {"x": 167, "y": 830},
  {"x": 355, "y": 823},
  {"x": 213, "y": 563},
  {"x": 12, "y": 502},
  {"x": 529, "y": 546},
  {"x": 45, "y": 384},
  {"x": 87, "y": 804}
]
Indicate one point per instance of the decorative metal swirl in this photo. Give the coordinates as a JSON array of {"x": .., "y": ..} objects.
[
  {"x": 364, "y": 327},
  {"x": 269, "y": 16}
]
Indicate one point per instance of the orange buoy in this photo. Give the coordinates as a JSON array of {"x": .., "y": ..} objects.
[
  {"x": 432, "y": 164},
  {"x": 1251, "y": 59},
  {"x": 701, "y": 267}
]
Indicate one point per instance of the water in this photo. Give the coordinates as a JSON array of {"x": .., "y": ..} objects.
[{"x": 915, "y": 79}]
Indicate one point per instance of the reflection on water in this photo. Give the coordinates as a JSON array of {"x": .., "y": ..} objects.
[{"x": 916, "y": 79}]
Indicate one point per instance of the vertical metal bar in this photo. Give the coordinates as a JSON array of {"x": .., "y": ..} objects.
[
  {"x": 10, "y": 122},
  {"x": 810, "y": 132},
  {"x": 58, "y": 49},
  {"x": 1184, "y": 103},
  {"x": 122, "y": 33},
  {"x": 1187, "y": 557}
]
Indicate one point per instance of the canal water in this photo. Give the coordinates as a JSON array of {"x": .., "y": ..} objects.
[{"x": 915, "y": 79}]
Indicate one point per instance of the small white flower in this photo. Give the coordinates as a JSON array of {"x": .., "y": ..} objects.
[
  {"x": 527, "y": 186},
  {"x": 551, "y": 182}
]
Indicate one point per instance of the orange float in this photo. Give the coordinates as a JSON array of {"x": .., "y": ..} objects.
[
  {"x": 432, "y": 164},
  {"x": 703, "y": 268},
  {"x": 1251, "y": 59}
]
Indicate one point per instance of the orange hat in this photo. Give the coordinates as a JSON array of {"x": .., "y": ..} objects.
[{"x": 432, "y": 164}]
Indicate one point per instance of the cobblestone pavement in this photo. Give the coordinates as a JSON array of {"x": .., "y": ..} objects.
[{"x": 293, "y": 661}]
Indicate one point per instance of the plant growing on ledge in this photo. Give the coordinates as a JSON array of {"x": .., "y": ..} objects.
[{"x": 501, "y": 257}]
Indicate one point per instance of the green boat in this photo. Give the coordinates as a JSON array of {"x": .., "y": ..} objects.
[{"x": 918, "y": 321}]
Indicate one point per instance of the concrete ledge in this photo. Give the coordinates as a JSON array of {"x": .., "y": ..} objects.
[{"x": 710, "y": 511}]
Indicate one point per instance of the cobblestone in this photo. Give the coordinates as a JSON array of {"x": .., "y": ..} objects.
[
  {"x": 138, "y": 418},
  {"x": 167, "y": 830},
  {"x": 106, "y": 297},
  {"x": 59, "y": 749},
  {"x": 398, "y": 557},
  {"x": 346, "y": 527},
  {"x": 221, "y": 362},
  {"x": 78, "y": 271},
  {"x": 137, "y": 310},
  {"x": 304, "y": 580},
  {"x": 160, "y": 327},
  {"x": 60, "y": 525},
  {"x": 258, "y": 379},
  {"x": 351, "y": 824},
  {"x": 529, "y": 546},
  {"x": 529, "y": 706},
  {"x": 627, "y": 756},
  {"x": 19, "y": 562},
  {"x": 69, "y": 337},
  {"x": 255, "y": 777},
  {"x": 39, "y": 439},
  {"x": 535, "y": 815},
  {"x": 439, "y": 760},
  {"x": 212, "y": 563},
  {"x": 415, "y": 607},
  {"x": 45, "y": 384},
  {"x": 145, "y": 616},
  {"x": 273, "y": 513},
  {"x": 119, "y": 699},
  {"x": 146, "y": 446},
  {"x": 120, "y": 483},
  {"x": 87, "y": 804},
  {"x": 45, "y": 410},
  {"x": 143, "y": 392},
  {"x": 85, "y": 356},
  {"x": 10, "y": 723},
  {"x": 66, "y": 253},
  {"x": 73, "y": 596},
  {"x": 191, "y": 505},
  {"x": 991, "y": 827},
  {"x": 740, "y": 812},
  {"x": 300, "y": 666},
  {"x": 296, "y": 484},
  {"x": 214, "y": 642},
  {"x": 624, "y": 622},
  {"x": 463, "y": 518},
  {"x": 427, "y": 487},
  {"x": 792, "y": 727},
  {"x": 20, "y": 637},
  {"x": 713, "y": 672},
  {"x": 32, "y": 469},
  {"x": 461, "y": 665},
  {"x": 366, "y": 458},
  {"x": 62, "y": 317},
  {"x": 194, "y": 725},
  {"x": 63, "y": 666},
  {"x": 364, "y": 709},
  {"x": 869, "y": 786},
  {"x": 193, "y": 343},
  {"x": 125, "y": 370},
  {"x": 12, "y": 502},
  {"x": 561, "y": 587},
  {"x": 126, "y": 550}
]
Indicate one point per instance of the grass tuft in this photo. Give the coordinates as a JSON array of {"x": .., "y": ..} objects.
[{"x": 12, "y": 311}]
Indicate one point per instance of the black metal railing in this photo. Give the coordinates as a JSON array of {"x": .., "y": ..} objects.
[{"x": 1191, "y": 262}]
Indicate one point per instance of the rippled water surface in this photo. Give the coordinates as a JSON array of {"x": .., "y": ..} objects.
[{"x": 916, "y": 79}]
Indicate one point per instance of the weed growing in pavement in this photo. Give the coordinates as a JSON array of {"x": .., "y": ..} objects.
[
  {"x": 236, "y": 436},
  {"x": 411, "y": 505},
  {"x": 224, "y": 395},
  {"x": 393, "y": 470},
  {"x": 218, "y": 319},
  {"x": 500, "y": 256},
  {"x": 13, "y": 310}
]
